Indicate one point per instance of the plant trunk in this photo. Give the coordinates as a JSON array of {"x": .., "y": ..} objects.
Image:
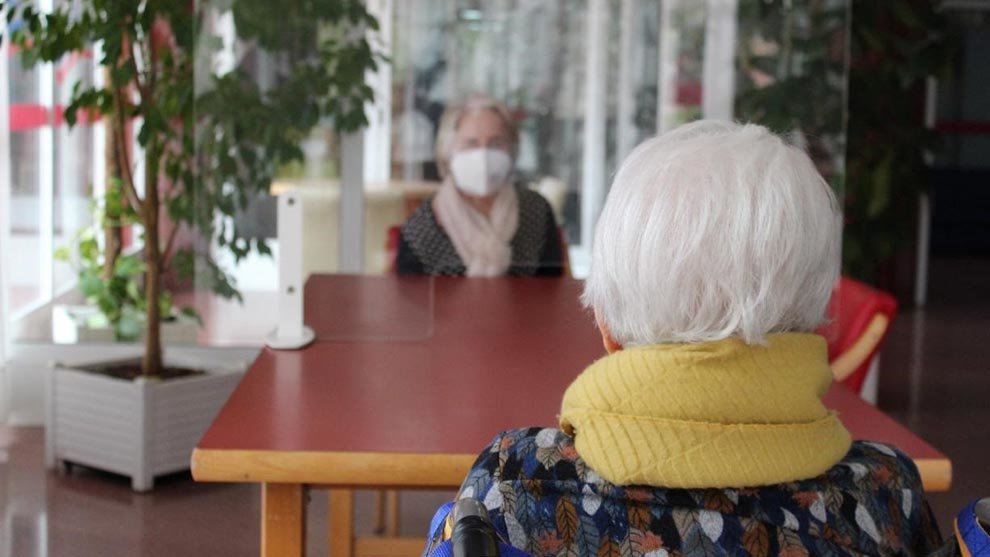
[
  {"x": 113, "y": 239},
  {"x": 152, "y": 362}
]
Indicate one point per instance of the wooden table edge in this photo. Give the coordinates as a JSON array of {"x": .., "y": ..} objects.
[
  {"x": 339, "y": 469},
  {"x": 936, "y": 473},
  {"x": 400, "y": 470}
]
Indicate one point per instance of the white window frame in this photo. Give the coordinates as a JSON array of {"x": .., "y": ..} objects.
[
  {"x": 46, "y": 174},
  {"x": 47, "y": 164},
  {"x": 4, "y": 200}
]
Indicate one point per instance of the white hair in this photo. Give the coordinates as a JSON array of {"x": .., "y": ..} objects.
[{"x": 710, "y": 231}]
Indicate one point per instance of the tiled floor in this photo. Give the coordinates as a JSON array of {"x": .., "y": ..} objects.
[
  {"x": 935, "y": 375},
  {"x": 86, "y": 513},
  {"x": 935, "y": 378}
]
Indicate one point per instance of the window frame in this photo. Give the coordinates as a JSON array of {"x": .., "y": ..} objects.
[{"x": 46, "y": 116}]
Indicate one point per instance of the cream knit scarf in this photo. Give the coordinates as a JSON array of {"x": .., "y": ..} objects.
[
  {"x": 716, "y": 414},
  {"x": 483, "y": 243}
]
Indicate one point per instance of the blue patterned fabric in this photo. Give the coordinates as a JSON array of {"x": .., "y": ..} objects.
[{"x": 544, "y": 500}]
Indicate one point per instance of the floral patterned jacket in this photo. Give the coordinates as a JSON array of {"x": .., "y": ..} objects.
[{"x": 544, "y": 500}]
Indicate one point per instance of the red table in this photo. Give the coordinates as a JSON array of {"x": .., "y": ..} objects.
[{"x": 407, "y": 381}]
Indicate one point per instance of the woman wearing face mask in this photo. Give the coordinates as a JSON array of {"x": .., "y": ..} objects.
[{"x": 480, "y": 223}]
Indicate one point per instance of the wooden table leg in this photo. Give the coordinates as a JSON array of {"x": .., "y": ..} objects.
[
  {"x": 380, "y": 510},
  {"x": 392, "y": 504},
  {"x": 341, "y": 542},
  {"x": 283, "y": 520}
]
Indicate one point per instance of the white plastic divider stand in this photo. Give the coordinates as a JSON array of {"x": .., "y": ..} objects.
[{"x": 290, "y": 333}]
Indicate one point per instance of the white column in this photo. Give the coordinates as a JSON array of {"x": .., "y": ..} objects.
[
  {"x": 626, "y": 132},
  {"x": 924, "y": 203},
  {"x": 99, "y": 132},
  {"x": 593, "y": 163},
  {"x": 4, "y": 228},
  {"x": 46, "y": 174},
  {"x": 378, "y": 134},
  {"x": 719, "y": 64},
  {"x": 667, "y": 72},
  {"x": 351, "y": 202},
  {"x": 406, "y": 147}
]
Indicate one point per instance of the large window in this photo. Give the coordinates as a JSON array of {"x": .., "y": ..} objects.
[
  {"x": 52, "y": 173},
  {"x": 588, "y": 80},
  {"x": 591, "y": 79}
]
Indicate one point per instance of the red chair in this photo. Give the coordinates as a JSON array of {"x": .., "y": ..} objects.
[
  {"x": 392, "y": 247},
  {"x": 860, "y": 320}
]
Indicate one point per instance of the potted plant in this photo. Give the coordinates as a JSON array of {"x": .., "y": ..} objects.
[{"x": 211, "y": 142}]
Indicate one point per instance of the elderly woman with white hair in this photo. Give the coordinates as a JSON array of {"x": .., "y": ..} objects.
[
  {"x": 480, "y": 223},
  {"x": 703, "y": 431}
]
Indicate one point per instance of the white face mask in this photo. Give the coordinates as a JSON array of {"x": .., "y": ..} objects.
[{"x": 480, "y": 172}]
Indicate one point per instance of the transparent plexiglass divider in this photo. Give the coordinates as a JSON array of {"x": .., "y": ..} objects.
[{"x": 276, "y": 87}]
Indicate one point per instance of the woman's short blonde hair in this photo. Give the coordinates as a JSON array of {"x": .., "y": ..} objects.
[
  {"x": 451, "y": 120},
  {"x": 710, "y": 231}
]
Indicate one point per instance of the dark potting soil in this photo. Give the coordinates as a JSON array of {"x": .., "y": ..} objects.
[{"x": 132, "y": 370}]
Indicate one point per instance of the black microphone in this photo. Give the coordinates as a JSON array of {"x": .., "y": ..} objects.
[{"x": 473, "y": 534}]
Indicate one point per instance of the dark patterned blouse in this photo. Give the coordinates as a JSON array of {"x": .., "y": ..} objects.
[
  {"x": 544, "y": 500},
  {"x": 425, "y": 249}
]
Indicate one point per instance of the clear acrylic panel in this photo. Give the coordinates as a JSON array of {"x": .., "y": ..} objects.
[
  {"x": 790, "y": 64},
  {"x": 528, "y": 55},
  {"x": 784, "y": 68},
  {"x": 234, "y": 45}
]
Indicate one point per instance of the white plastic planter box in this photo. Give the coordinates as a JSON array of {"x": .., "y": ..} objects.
[
  {"x": 72, "y": 324},
  {"x": 139, "y": 428}
]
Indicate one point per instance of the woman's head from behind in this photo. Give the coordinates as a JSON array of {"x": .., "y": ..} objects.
[
  {"x": 476, "y": 144},
  {"x": 710, "y": 231}
]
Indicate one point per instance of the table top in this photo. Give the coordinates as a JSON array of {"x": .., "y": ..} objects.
[{"x": 428, "y": 370}]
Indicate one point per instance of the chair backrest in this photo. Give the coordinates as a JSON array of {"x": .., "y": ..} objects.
[
  {"x": 565, "y": 256},
  {"x": 861, "y": 317},
  {"x": 554, "y": 190},
  {"x": 392, "y": 247}
]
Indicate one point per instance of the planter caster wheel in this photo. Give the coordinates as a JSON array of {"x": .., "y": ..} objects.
[
  {"x": 63, "y": 467},
  {"x": 142, "y": 485}
]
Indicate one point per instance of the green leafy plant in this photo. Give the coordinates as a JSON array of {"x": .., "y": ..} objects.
[
  {"x": 211, "y": 140},
  {"x": 110, "y": 280},
  {"x": 895, "y": 47},
  {"x": 793, "y": 76}
]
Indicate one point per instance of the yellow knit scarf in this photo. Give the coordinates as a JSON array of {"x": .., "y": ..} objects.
[{"x": 715, "y": 414}]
